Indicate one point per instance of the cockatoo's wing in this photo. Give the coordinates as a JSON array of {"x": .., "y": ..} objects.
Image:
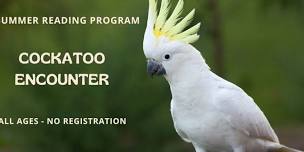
[{"x": 242, "y": 113}]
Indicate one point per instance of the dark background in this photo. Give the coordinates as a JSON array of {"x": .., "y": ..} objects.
[{"x": 257, "y": 45}]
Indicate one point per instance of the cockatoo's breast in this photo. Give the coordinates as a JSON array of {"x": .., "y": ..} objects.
[
  {"x": 200, "y": 127},
  {"x": 196, "y": 118}
]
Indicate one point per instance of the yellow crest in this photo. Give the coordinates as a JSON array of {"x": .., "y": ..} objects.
[{"x": 172, "y": 27}]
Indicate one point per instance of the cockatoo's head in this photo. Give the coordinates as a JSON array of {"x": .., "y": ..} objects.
[{"x": 166, "y": 42}]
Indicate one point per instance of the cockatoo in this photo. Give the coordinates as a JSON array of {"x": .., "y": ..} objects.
[{"x": 211, "y": 113}]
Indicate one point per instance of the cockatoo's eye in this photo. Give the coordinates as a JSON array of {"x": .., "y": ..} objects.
[{"x": 166, "y": 56}]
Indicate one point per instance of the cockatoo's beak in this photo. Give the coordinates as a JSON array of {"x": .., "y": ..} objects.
[{"x": 155, "y": 68}]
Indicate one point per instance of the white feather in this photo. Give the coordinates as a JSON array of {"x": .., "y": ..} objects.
[
  {"x": 191, "y": 39},
  {"x": 189, "y": 32},
  {"x": 173, "y": 19},
  {"x": 152, "y": 13},
  {"x": 160, "y": 25},
  {"x": 179, "y": 27},
  {"x": 212, "y": 113},
  {"x": 163, "y": 14}
]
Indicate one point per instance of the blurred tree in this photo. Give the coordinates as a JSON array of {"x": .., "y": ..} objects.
[
  {"x": 216, "y": 34},
  {"x": 298, "y": 4}
]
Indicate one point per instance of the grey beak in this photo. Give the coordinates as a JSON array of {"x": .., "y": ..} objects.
[{"x": 155, "y": 68}]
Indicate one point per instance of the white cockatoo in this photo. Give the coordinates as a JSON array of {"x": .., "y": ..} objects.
[{"x": 208, "y": 111}]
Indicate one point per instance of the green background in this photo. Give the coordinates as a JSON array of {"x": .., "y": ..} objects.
[{"x": 263, "y": 53}]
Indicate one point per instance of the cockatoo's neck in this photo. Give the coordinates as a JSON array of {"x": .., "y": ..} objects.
[
  {"x": 187, "y": 78},
  {"x": 192, "y": 68},
  {"x": 194, "y": 73}
]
